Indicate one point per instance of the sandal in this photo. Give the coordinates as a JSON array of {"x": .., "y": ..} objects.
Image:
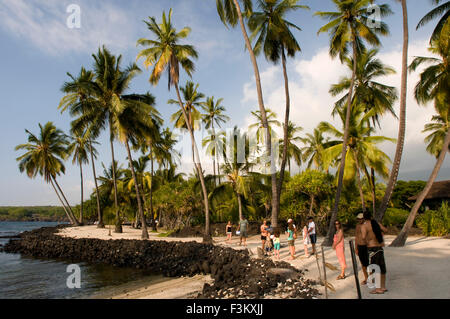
[
  {"x": 340, "y": 277},
  {"x": 375, "y": 292}
]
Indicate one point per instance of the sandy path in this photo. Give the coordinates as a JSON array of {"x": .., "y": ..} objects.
[{"x": 418, "y": 270}]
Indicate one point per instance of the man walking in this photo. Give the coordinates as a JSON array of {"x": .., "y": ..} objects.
[
  {"x": 312, "y": 234},
  {"x": 372, "y": 234},
  {"x": 361, "y": 247},
  {"x": 243, "y": 225}
]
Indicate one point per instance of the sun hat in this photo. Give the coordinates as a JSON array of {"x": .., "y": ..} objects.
[{"x": 360, "y": 216}]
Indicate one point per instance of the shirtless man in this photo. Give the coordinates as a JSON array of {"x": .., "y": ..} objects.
[
  {"x": 264, "y": 234},
  {"x": 375, "y": 243},
  {"x": 361, "y": 247}
]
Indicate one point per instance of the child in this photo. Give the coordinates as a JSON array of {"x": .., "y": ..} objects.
[
  {"x": 306, "y": 240},
  {"x": 269, "y": 245},
  {"x": 276, "y": 244},
  {"x": 229, "y": 232}
]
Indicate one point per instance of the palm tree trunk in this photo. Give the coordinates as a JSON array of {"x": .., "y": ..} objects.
[
  {"x": 63, "y": 205},
  {"x": 81, "y": 203},
  {"x": 275, "y": 204},
  {"x": 286, "y": 124},
  {"x": 331, "y": 228},
  {"x": 138, "y": 196},
  {"x": 215, "y": 152},
  {"x": 401, "y": 238},
  {"x": 75, "y": 221},
  {"x": 374, "y": 189},
  {"x": 311, "y": 205},
  {"x": 358, "y": 180},
  {"x": 239, "y": 205},
  {"x": 118, "y": 225},
  {"x": 207, "y": 235},
  {"x": 99, "y": 210},
  {"x": 402, "y": 121},
  {"x": 151, "y": 190}
]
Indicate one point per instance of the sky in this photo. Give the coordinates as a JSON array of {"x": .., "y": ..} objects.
[{"x": 38, "y": 49}]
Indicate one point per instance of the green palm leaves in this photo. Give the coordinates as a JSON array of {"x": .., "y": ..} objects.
[{"x": 441, "y": 10}]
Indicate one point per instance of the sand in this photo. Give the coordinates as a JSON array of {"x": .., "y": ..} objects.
[{"x": 418, "y": 270}]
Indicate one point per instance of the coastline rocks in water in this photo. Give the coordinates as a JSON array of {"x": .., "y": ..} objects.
[{"x": 235, "y": 273}]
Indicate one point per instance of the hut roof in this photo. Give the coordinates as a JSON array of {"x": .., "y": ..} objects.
[{"x": 439, "y": 190}]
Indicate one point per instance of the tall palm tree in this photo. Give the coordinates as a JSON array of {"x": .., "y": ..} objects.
[
  {"x": 230, "y": 13},
  {"x": 214, "y": 114},
  {"x": 349, "y": 26},
  {"x": 79, "y": 148},
  {"x": 369, "y": 92},
  {"x": 292, "y": 150},
  {"x": 44, "y": 156},
  {"x": 441, "y": 10},
  {"x": 77, "y": 98},
  {"x": 108, "y": 88},
  {"x": 165, "y": 53},
  {"x": 402, "y": 120},
  {"x": 434, "y": 85},
  {"x": 135, "y": 125},
  {"x": 276, "y": 40},
  {"x": 361, "y": 152}
]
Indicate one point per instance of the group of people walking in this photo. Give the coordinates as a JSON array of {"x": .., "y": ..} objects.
[{"x": 369, "y": 243}]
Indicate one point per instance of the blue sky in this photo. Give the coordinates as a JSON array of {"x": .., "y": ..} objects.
[{"x": 38, "y": 49}]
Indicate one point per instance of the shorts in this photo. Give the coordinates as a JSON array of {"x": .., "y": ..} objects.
[
  {"x": 230, "y": 233},
  {"x": 276, "y": 246},
  {"x": 291, "y": 242},
  {"x": 243, "y": 234},
  {"x": 363, "y": 255},
  {"x": 376, "y": 256},
  {"x": 263, "y": 237},
  {"x": 313, "y": 238}
]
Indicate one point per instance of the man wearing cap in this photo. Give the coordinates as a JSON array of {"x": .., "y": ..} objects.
[{"x": 361, "y": 247}]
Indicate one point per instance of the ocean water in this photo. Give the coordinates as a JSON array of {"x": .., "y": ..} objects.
[{"x": 30, "y": 278}]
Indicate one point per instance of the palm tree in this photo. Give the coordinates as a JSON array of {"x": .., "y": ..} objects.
[
  {"x": 106, "y": 188},
  {"x": 276, "y": 40},
  {"x": 135, "y": 125},
  {"x": 77, "y": 99},
  {"x": 434, "y": 85},
  {"x": 271, "y": 121},
  {"x": 80, "y": 148},
  {"x": 362, "y": 151},
  {"x": 349, "y": 26},
  {"x": 441, "y": 10},
  {"x": 315, "y": 144},
  {"x": 402, "y": 120},
  {"x": 44, "y": 156},
  {"x": 107, "y": 88},
  {"x": 213, "y": 115},
  {"x": 437, "y": 128},
  {"x": 370, "y": 93},
  {"x": 214, "y": 146},
  {"x": 230, "y": 13},
  {"x": 292, "y": 150},
  {"x": 166, "y": 53},
  {"x": 144, "y": 182}
]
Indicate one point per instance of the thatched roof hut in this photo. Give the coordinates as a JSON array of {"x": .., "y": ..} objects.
[{"x": 439, "y": 191}]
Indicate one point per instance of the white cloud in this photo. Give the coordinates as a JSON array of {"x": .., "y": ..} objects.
[
  {"x": 310, "y": 80},
  {"x": 44, "y": 25}
]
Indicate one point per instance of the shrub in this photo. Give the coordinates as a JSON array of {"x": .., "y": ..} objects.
[
  {"x": 435, "y": 223},
  {"x": 395, "y": 217}
]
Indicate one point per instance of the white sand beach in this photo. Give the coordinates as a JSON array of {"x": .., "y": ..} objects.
[{"x": 418, "y": 270}]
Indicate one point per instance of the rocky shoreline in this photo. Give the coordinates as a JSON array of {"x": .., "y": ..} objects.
[{"x": 235, "y": 273}]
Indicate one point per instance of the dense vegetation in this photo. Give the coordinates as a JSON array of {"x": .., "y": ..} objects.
[
  {"x": 32, "y": 213},
  {"x": 252, "y": 181}
]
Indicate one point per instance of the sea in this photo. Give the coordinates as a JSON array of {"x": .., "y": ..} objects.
[{"x": 23, "y": 277}]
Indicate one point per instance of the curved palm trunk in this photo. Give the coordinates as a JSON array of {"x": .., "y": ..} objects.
[
  {"x": 358, "y": 180},
  {"x": 401, "y": 238},
  {"x": 286, "y": 123},
  {"x": 118, "y": 225},
  {"x": 63, "y": 205},
  {"x": 275, "y": 204},
  {"x": 81, "y": 203},
  {"x": 75, "y": 221},
  {"x": 207, "y": 235},
  {"x": 138, "y": 195},
  {"x": 99, "y": 210},
  {"x": 402, "y": 121},
  {"x": 331, "y": 228}
]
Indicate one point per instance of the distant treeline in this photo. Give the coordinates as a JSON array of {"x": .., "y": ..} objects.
[{"x": 32, "y": 213}]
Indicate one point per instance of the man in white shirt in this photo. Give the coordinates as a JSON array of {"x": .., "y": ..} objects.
[{"x": 312, "y": 233}]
